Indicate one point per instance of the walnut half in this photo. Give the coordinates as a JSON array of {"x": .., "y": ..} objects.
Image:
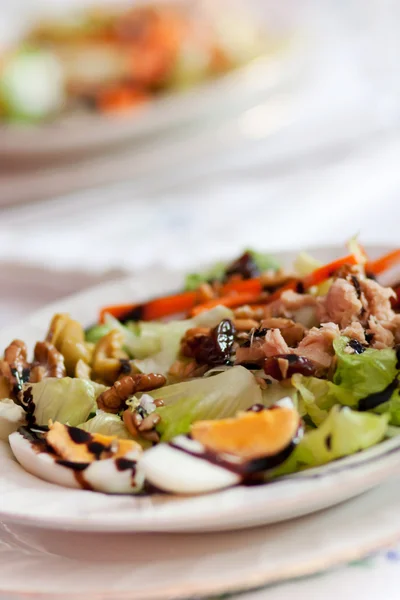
[{"x": 113, "y": 400}]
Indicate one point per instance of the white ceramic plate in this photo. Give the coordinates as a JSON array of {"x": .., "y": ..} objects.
[
  {"x": 30, "y": 501},
  {"x": 85, "y": 132}
]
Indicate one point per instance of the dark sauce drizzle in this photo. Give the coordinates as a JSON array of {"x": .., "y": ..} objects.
[
  {"x": 249, "y": 469},
  {"x": 25, "y": 399},
  {"x": 373, "y": 400},
  {"x": 356, "y": 346}
]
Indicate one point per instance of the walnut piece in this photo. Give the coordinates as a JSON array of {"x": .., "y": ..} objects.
[
  {"x": 48, "y": 362},
  {"x": 113, "y": 400},
  {"x": 14, "y": 368}
]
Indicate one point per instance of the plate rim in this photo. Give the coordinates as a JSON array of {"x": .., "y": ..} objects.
[
  {"x": 111, "y": 129},
  {"x": 59, "y": 523}
]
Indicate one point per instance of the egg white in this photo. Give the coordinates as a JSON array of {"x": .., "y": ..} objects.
[
  {"x": 102, "y": 475},
  {"x": 174, "y": 470}
]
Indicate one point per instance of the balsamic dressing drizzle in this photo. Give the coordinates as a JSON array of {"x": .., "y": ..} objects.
[
  {"x": 374, "y": 400},
  {"x": 356, "y": 346}
]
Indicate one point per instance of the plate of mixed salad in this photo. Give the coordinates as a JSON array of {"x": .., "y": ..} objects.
[
  {"x": 106, "y": 74},
  {"x": 270, "y": 382}
]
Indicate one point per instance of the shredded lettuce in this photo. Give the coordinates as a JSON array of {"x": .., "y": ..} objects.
[
  {"x": 106, "y": 424},
  {"x": 216, "y": 273},
  {"x": 276, "y": 391},
  {"x": 316, "y": 397},
  {"x": 366, "y": 373},
  {"x": 95, "y": 333},
  {"x": 155, "y": 345},
  {"x": 264, "y": 261},
  {"x": 343, "y": 432},
  {"x": 140, "y": 339},
  {"x": 214, "y": 397},
  {"x": 68, "y": 400}
]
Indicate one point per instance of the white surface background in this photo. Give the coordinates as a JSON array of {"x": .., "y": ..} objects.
[{"x": 315, "y": 163}]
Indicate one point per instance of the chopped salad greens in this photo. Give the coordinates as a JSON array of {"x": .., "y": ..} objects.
[{"x": 249, "y": 373}]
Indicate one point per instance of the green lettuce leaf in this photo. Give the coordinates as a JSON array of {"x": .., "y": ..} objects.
[
  {"x": 263, "y": 261},
  {"x": 106, "y": 424},
  {"x": 366, "y": 373},
  {"x": 95, "y": 333},
  {"x": 391, "y": 407},
  {"x": 343, "y": 432},
  {"x": 214, "y": 397},
  {"x": 31, "y": 85},
  {"x": 141, "y": 339},
  {"x": 67, "y": 400},
  {"x": 215, "y": 273},
  {"x": 316, "y": 397}
]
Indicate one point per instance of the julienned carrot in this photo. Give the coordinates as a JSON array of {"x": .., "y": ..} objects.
[
  {"x": 154, "y": 309},
  {"x": 170, "y": 305},
  {"x": 119, "y": 99},
  {"x": 177, "y": 303},
  {"x": 229, "y": 301},
  {"x": 326, "y": 271},
  {"x": 252, "y": 286},
  {"x": 236, "y": 293},
  {"x": 116, "y": 310},
  {"x": 378, "y": 266}
]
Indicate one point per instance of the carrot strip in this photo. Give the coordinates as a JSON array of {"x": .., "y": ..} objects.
[
  {"x": 154, "y": 309},
  {"x": 170, "y": 305},
  {"x": 326, "y": 271},
  {"x": 252, "y": 286},
  {"x": 229, "y": 301},
  {"x": 177, "y": 303},
  {"x": 378, "y": 266},
  {"x": 235, "y": 293},
  {"x": 119, "y": 99},
  {"x": 116, "y": 310}
]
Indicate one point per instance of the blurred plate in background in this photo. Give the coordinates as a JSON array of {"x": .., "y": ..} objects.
[{"x": 82, "y": 133}]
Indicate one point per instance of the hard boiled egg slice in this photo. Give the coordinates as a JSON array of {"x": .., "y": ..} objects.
[
  {"x": 180, "y": 467},
  {"x": 223, "y": 453},
  {"x": 71, "y": 457}
]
